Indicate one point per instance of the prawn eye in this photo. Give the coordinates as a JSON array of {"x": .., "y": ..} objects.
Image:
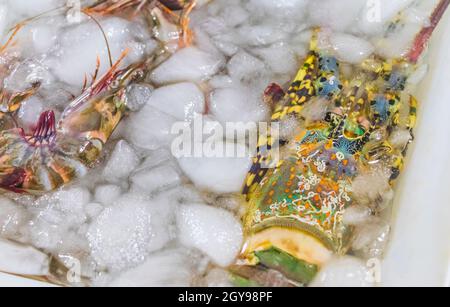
[{"x": 115, "y": 84}]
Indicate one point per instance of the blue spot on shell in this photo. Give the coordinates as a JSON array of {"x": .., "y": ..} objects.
[
  {"x": 397, "y": 81},
  {"x": 329, "y": 64},
  {"x": 381, "y": 108},
  {"x": 328, "y": 86}
]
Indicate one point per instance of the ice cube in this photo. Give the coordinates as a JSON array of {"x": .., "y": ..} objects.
[
  {"x": 261, "y": 34},
  {"x": 357, "y": 215},
  {"x": 370, "y": 239},
  {"x": 107, "y": 194},
  {"x": 22, "y": 260},
  {"x": 93, "y": 210},
  {"x": 71, "y": 200},
  {"x": 282, "y": 8},
  {"x": 45, "y": 235},
  {"x": 376, "y": 14},
  {"x": 121, "y": 163},
  {"x": 12, "y": 218},
  {"x": 215, "y": 232},
  {"x": 83, "y": 43},
  {"x": 182, "y": 100},
  {"x": 188, "y": 64},
  {"x": 138, "y": 95},
  {"x": 43, "y": 37},
  {"x": 3, "y": 19},
  {"x": 235, "y": 15},
  {"x": 244, "y": 67},
  {"x": 26, "y": 74},
  {"x": 173, "y": 267},
  {"x": 119, "y": 238},
  {"x": 150, "y": 129},
  {"x": 221, "y": 81},
  {"x": 26, "y": 8},
  {"x": 344, "y": 272},
  {"x": 238, "y": 104},
  {"x": 163, "y": 208},
  {"x": 372, "y": 186},
  {"x": 151, "y": 180},
  {"x": 57, "y": 214},
  {"x": 182, "y": 194},
  {"x": 221, "y": 174},
  {"x": 280, "y": 58},
  {"x": 400, "y": 138},
  {"x": 155, "y": 158},
  {"x": 338, "y": 15},
  {"x": 350, "y": 48}
]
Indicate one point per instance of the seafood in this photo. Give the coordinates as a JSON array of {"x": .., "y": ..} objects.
[
  {"x": 184, "y": 7},
  {"x": 55, "y": 153},
  {"x": 294, "y": 221}
]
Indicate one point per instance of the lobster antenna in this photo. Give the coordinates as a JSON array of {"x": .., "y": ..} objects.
[
  {"x": 104, "y": 37},
  {"x": 424, "y": 36}
]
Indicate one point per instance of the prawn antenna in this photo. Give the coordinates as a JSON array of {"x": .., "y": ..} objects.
[{"x": 105, "y": 37}]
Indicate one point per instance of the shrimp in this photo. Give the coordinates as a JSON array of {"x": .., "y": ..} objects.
[
  {"x": 55, "y": 152},
  {"x": 294, "y": 222}
]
